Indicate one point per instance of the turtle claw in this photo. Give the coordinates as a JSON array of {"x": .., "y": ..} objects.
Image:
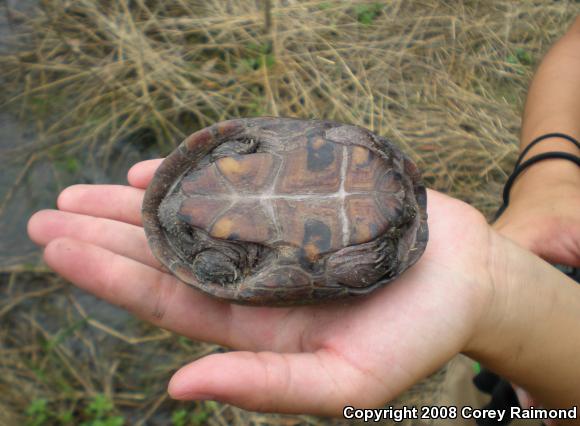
[{"x": 379, "y": 259}]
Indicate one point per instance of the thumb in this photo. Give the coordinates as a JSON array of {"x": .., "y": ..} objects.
[{"x": 317, "y": 383}]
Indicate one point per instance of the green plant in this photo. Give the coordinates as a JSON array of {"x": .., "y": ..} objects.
[
  {"x": 37, "y": 412},
  {"x": 179, "y": 417},
  {"x": 69, "y": 164},
  {"x": 65, "y": 418},
  {"x": 367, "y": 13},
  {"x": 258, "y": 56},
  {"x": 62, "y": 334},
  {"x": 197, "y": 417},
  {"x": 521, "y": 56},
  {"x": 100, "y": 412}
]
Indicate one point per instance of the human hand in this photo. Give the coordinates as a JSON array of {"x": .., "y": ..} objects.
[
  {"x": 312, "y": 359},
  {"x": 544, "y": 212}
]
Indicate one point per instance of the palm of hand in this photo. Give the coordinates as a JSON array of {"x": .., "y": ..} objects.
[{"x": 312, "y": 359}]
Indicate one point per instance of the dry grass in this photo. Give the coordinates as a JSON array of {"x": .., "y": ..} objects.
[{"x": 445, "y": 80}]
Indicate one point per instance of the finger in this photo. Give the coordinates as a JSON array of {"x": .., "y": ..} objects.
[
  {"x": 121, "y": 238},
  {"x": 117, "y": 202},
  {"x": 317, "y": 383},
  {"x": 141, "y": 173},
  {"x": 148, "y": 293}
]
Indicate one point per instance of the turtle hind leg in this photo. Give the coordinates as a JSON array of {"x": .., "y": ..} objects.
[
  {"x": 182, "y": 238},
  {"x": 365, "y": 264},
  {"x": 211, "y": 260},
  {"x": 211, "y": 266}
]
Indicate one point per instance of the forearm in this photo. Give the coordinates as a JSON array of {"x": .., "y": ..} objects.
[
  {"x": 553, "y": 102},
  {"x": 531, "y": 332},
  {"x": 553, "y": 105},
  {"x": 545, "y": 198}
]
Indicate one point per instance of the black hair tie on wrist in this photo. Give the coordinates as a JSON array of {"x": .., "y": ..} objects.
[
  {"x": 544, "y": 137},
  {"x": 519, "y": 168}
]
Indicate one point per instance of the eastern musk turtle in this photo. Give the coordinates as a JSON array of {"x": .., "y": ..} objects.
[{"x": 281, "y": 211}]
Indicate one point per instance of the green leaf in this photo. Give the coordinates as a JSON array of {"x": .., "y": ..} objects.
[
  {"x": 37, "y": 412},
  {"x": 65, "y": 417},
  {"x": 179, "y": 417},
  {"x": 63, "y": 333},
  {"x": 520, "y": 57},
  {"x": 199, "y": 418},
  {"x": 512, "y": 59},
  {"x": 367, "y": 13},
  {"x": 37, "y": 406},
  {"x": 524, "y": 57},
  {"x": 115, "y": 421},
  {"x": 99, "y": 406}
]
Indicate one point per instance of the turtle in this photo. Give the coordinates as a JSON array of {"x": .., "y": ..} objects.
[{"x": 274, "y": 211}]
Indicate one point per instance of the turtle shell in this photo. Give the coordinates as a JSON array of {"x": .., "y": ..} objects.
[{"x": 281, "y": 211}]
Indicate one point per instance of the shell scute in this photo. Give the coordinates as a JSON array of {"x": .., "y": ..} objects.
[
  {"x": 250, "y": 173},
  {"x": 363, "y": 169},
  {"x": 201, "y": 211},
  {"x": 314, "y": 227},
  {"x": 366, "y": 221},
  {"x": 315, "y": 169},
  {"x": 391, "y": 182},
  {"x": 245, "y": 221},
  {"x": 205, "y": 182}
]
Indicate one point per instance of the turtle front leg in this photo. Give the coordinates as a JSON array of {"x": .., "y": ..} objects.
[{"x": 234, "y": 148}]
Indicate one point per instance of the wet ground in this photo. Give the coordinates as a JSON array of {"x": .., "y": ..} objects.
[
  {"x": 31, "y": 175},
  {"x": 15, "y": 248},
  {"x": 40, "y": 315}
]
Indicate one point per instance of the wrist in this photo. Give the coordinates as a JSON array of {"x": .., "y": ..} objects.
[
  {"x": 498, "y": 291},
  {"x": 531, "y": 321},
  {"x": 522, "y": 292},
  {"x": 547, "y": 173},
  {"x": 550, "y": 142}
]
